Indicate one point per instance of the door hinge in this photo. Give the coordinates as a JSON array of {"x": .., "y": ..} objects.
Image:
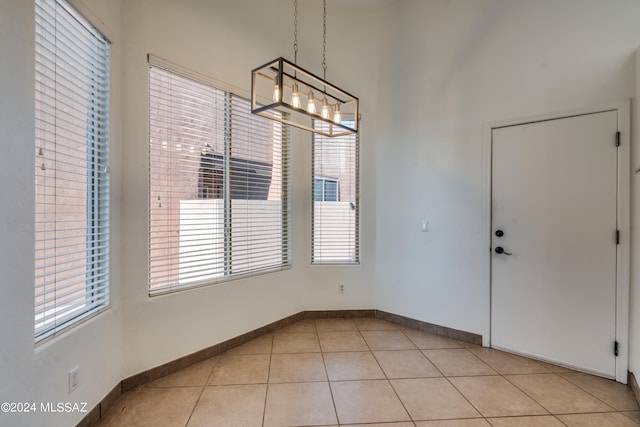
[
  {"x": 618, "y": 139},
  {"x": 616, "y": 347},
  {"x": 617, "y": 237}
]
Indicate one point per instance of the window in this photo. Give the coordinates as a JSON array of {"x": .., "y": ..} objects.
[
  {"x": 335, "y": 214},
  {"x": 218, "y": 177},
  {"x": 71, "y": 169},
  {"x": 326, "y": 190}
]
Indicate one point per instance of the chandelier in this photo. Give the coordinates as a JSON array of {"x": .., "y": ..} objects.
[{"x": 287, "y": 93}]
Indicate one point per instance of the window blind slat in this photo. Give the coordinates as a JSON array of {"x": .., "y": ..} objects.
[{"x": 71, "y": 169}]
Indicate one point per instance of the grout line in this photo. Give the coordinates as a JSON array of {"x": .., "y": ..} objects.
[
  {"x": 388, "y": 380},
  {"x": 528, "y": 416},
  {"x": 196, "y": 405},
  {"x": 213, "y": 368},
  {"x": 326, "y": 373},
  {"x": 628, "y": 416},
  {"x": 266, "y": 390},
  {"x": 467, "y": 399},
  {"x": 394, "y": 390},
  {"x": 527, "y": 394},
  {"x": 563, "y": 376}
]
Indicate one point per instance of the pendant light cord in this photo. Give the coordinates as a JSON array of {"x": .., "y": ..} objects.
[
  {"x": 324, "y": 39},
  {"x": 295, "y": 32}
]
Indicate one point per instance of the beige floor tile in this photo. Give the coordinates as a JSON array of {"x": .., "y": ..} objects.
[
  {"x": 299, "y": 404},
  {"x": 241, "y": 369},
  {"x": 406, "y": 364},
  {"x": 556, "y": 394},
  {"x": 506, "y": 363},
  {"x": 335, "y": 325},
  {"x": 352, "y": 366},
  {"x": 387, "y": 340},
  {"x": 373, "y": 324},
  {"x": 537, "y": 421},
  {"x": 296, "y": 342},
  {"x": 342, "y": 341},
  {"x": 427, "y": 341},
  {"x": 432, "y": 399},
  {"x": 372, "y": 401},
  {"x": 634, "y": 415},
  {"x": 230, "y": 406},
  {"x": 153, "y": 407},
  {"x": 306, "y": 325},
  {"x": 470, "y": 422},
  {"x": 194, "y": 375},
  {"x": 299, "y": 367},
  {"x": 617, "y": 395},
  {"x": 496, "y": 397},
  {"x": 614, "y": 419},
  {"x": 458, "y": 362},
  {"x": 261, "y": 345}
]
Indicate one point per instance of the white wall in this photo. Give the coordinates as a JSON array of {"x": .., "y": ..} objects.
[
  {"x": 453, "y": 66},
  {"x": 31, "y": 374}
]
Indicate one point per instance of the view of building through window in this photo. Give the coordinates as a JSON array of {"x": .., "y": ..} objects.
[{"x": 218, "y": 185}]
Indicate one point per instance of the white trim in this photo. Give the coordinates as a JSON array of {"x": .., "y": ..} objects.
[
  {"x": 623, "y": 249},
  {"x": 173, "y": 67},
  {"x": 624, "y": 217},
  {"x": 168, "y": 290},
  {"x": 486, "y": 234},
  {"x": 92, "y": 18}
]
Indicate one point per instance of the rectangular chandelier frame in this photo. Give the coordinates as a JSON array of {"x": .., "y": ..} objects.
[{"x": 273, "y": 88}]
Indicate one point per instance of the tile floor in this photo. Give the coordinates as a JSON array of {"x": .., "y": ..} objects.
[{"x": 362, "y": 371}]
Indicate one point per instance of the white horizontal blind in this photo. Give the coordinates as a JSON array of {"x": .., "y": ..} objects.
[
  {"x": 259, "y": 170},
  {"x": 71, "y": 167},
  {"x": 335, "y": 191},
  {"x": 186, "y": 148},
  {"x": 218, "y": 186}
]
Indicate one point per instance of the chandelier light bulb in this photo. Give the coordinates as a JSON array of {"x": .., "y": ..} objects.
[
  {"x": 325, "y": 111},
  {"x": 336, "y": 113},
  {"x": 295, "y": 96},
  {"x": 311, "y": 104},
  {"x": 276, "y": 90}
]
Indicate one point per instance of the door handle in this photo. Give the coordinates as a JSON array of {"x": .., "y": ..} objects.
[{"x": 500, "y": 250}]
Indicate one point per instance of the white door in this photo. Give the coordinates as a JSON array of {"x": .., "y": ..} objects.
[{"x": 554, "y": 203}]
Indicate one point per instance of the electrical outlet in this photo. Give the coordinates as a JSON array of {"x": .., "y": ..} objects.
[
  {"x": 341, "y": 288},
  {"x": 74, "y": 379}
]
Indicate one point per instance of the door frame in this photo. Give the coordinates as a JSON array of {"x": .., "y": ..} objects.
[{"x": 623, "y": 108}]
